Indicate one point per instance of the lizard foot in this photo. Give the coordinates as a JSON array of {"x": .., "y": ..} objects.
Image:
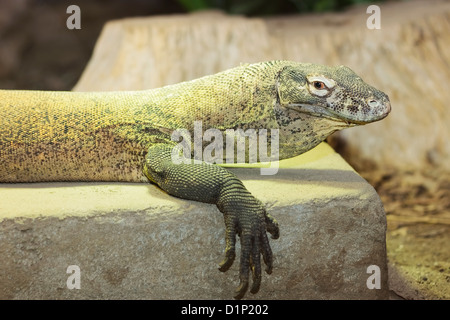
[{"x": 246, "y": 216}]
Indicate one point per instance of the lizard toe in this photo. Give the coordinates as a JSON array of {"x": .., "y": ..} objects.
[{"x": 256, "y": 267}]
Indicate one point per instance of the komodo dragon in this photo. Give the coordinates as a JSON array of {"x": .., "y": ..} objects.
[{"x": 126, "y": 136}]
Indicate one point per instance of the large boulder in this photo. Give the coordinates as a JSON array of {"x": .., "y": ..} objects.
[{"x": 133, "y": 241}]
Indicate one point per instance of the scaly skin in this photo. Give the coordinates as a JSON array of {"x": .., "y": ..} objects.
[{"x": 111, "y": 136}]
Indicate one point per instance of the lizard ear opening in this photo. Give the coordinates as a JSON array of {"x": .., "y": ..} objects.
[{"x": 291, "y": 85}]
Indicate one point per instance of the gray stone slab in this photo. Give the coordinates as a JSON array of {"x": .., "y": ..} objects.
[{"x": 133, "y": 241}]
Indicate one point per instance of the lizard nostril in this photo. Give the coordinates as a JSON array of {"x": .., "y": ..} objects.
[{"x": 373, "y": 103}]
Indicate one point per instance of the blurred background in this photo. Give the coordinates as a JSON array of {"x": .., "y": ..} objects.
[{"x": 38, "y": 52}]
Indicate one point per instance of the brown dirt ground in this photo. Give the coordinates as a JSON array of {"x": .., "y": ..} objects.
[{"x": 417, "y": 206}]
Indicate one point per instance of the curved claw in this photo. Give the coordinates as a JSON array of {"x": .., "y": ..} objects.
[
  {"x": 241, "y": 290},
  {"x": 244, "y": 268},
  {"x": 267, "y": 256},
  {"x": 230, "y": 251},
  {"x": 256, "y": 267},
  {"x": 227, "y": 262},
  {"x": 256, "y": 284}
]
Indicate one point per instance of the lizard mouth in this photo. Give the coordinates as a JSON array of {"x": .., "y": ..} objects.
[
  {"x": 321, "y": 112},
  {"x": 328, "y": 113}
]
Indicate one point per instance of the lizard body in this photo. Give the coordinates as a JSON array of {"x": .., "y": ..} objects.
[{"x": 126, "y": 136}]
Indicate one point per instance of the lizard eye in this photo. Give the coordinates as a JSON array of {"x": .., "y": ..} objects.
[{"x": 319, "y": 85}]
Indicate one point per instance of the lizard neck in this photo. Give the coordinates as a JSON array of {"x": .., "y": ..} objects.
[{"x": 300, "y": 132}]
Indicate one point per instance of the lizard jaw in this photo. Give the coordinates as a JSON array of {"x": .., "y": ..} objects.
[
  {"x": 327, "y": 112},
  {"x": 321, "y": 112}
]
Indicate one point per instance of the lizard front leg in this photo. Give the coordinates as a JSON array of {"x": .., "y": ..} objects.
[{"x": 244, "y": 214}]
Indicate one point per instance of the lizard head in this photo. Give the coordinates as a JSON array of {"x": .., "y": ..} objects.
[{"x": 335, "y": 93}]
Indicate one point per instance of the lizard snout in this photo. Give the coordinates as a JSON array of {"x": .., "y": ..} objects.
[{"x": 380, "y": 106}]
